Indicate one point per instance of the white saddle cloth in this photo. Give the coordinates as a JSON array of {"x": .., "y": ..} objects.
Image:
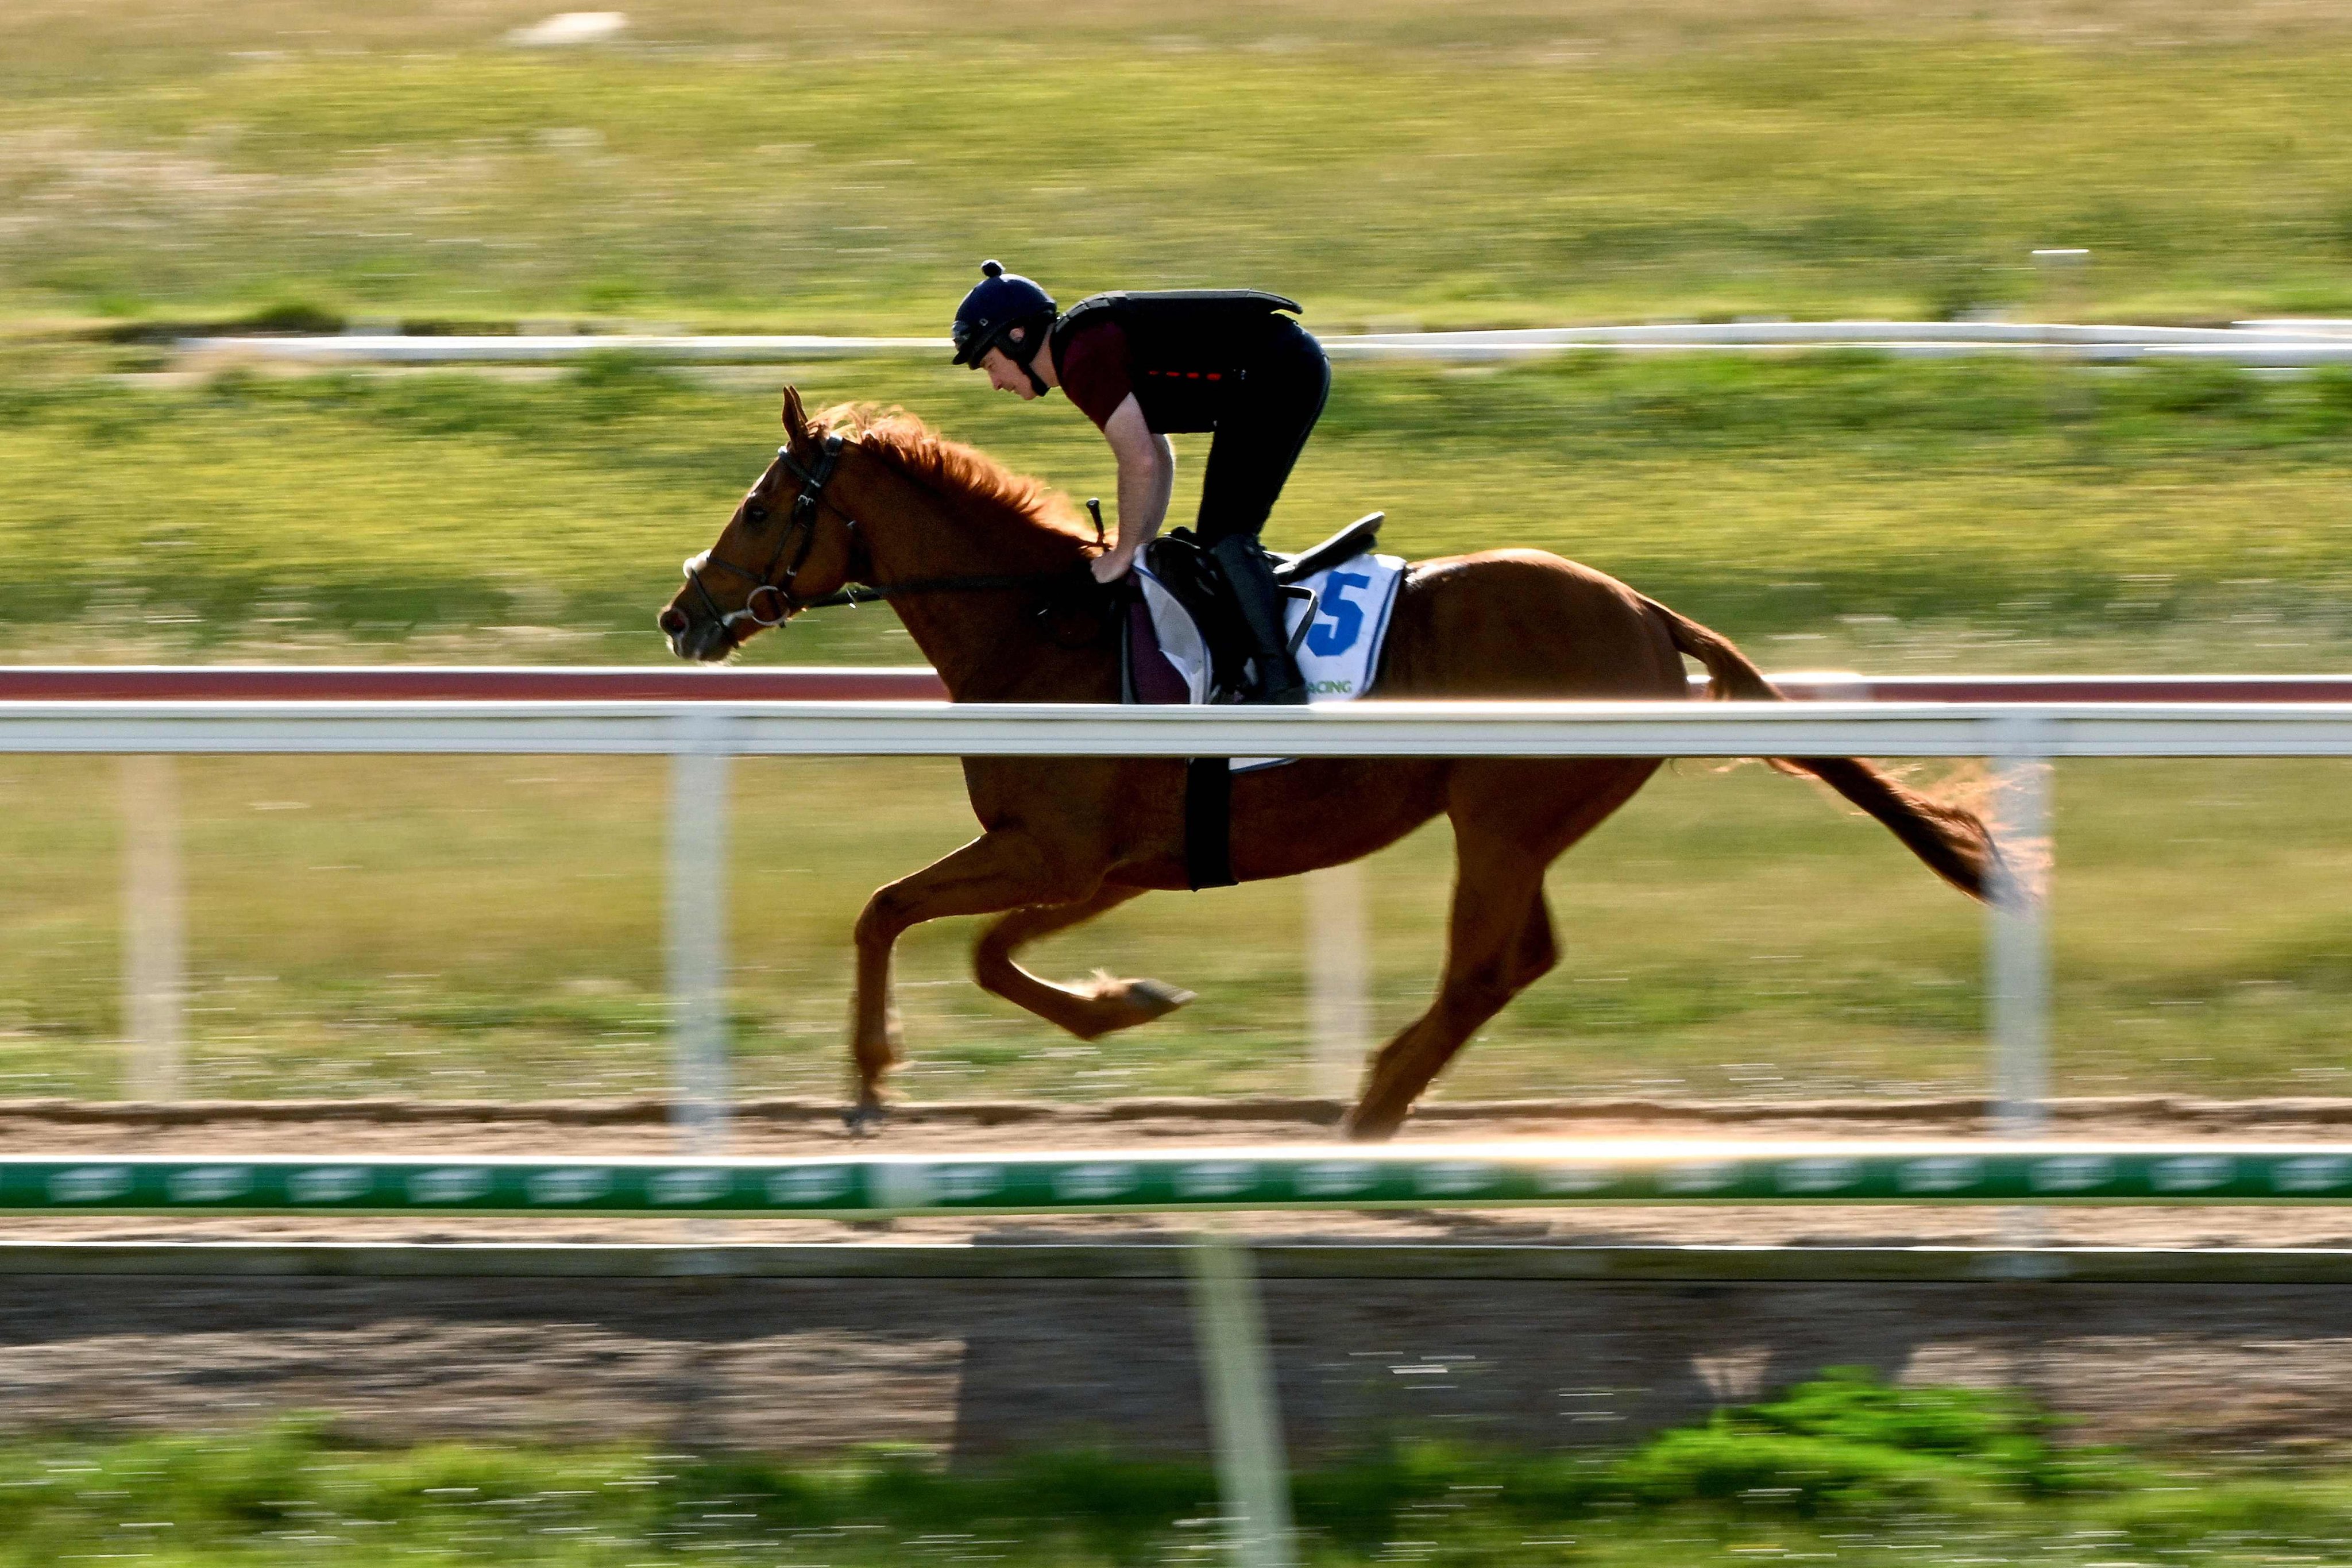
[{"x": 1341, "y": 650}]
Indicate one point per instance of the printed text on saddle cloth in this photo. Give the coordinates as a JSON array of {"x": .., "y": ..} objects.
[{"x": 1339, "y": 655}]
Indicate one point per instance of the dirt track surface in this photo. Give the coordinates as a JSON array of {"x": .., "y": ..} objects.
[{"x": 974, "y": 1366}]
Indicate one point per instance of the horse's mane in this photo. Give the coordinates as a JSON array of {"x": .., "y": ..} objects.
[{"x": 931, "y": 458}]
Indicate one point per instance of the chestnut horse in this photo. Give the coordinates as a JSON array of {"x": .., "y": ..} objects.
[{"x": 859, "y": 496}]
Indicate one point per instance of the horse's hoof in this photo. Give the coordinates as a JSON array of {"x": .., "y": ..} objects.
[
  {"x": 1113, "y": 1004},
  {"x": 1358, "y": 1127},
  {"x": 1155, "y": 999},
  {"x": 865, "y": 1119}
]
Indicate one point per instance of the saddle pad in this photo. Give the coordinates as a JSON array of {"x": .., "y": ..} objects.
[
  {"x": 1351, "y": 606},
  {"x": 1337, "y": 654},
  {"x": 1180, "y": 645}
]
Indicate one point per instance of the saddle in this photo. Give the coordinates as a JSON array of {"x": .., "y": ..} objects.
[
  {"x": 1187, "y": 645},
  {"x": 1345, "y": 545},
  {"x": 1184, "y": 567}
]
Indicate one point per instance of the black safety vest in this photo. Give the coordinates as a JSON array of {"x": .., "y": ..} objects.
[{"x": 1188, "y": 349}]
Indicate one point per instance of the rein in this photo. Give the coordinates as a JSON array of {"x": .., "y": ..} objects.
[
  {"x": 802, "y": 522},
  {"x": 865, "y": 593}
]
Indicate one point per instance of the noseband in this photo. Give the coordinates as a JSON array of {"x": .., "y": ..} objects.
[{"x": 771, "y": 590}]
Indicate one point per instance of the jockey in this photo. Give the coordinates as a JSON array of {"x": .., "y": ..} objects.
[{"x": 1140, "y": 366}]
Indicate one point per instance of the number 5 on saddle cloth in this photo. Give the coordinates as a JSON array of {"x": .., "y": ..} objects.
[{"x": 1184, "y": 643}]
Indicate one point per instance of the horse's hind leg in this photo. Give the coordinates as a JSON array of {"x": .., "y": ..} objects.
[
  {"x": 1088, "y": 1011},
  {"x": 1499, "y": 941},
  {"x": 1495, "y": 896}
]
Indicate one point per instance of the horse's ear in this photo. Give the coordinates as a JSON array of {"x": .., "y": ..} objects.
[{"x": 796, "y": 420}]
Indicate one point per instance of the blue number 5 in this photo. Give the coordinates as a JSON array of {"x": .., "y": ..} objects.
[{"x": 1346, "y": 623}]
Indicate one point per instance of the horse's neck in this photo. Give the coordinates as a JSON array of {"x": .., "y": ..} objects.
[{"x": 986, "y": 643}]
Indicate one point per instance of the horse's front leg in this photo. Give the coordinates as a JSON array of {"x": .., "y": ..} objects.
[{"x": 999, "y": 871}]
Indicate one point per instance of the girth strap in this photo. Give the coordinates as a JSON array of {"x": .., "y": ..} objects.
[{"x": 1208, "y": 823}]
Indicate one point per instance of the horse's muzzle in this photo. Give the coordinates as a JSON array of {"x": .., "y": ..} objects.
[{"x": 703, "y": 642}]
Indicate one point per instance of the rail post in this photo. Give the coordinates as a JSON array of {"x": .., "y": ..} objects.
[
  {"x": 2019, "y": 939},
  {"x": 154, "y": 941},
  {"x": 2018, "y": 959},
  {"x": 1237, "y": 1376},
  {"x": 695, "y": 917},
  {"x": 1338, "y": 979}
]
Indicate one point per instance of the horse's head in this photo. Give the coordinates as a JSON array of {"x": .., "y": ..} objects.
[{"x": 788, "y": 542}]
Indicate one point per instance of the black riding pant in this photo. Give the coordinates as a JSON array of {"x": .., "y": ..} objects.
[{"x": 1261, "y": 430}]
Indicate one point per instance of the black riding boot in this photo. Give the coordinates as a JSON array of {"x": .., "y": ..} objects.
[{"x": 1259, "y": 599}]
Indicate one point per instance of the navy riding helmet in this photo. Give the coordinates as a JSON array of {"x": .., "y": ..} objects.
[{"x": 998, "y": 303}]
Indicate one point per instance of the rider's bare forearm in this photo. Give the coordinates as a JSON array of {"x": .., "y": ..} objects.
[
  {"x": 1143, "y": 499},
  {"x": 1147, "y": 480}
]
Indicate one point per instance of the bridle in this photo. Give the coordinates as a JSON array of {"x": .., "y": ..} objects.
[
  {"x": 776, "y": 589},
  {"x": 771, "y": 589}
]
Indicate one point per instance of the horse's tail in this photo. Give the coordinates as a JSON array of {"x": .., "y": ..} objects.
[{"x": 1951, "y": 839}]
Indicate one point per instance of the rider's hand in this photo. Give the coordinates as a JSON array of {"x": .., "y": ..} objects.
[{"x": 1111, "y": 565}]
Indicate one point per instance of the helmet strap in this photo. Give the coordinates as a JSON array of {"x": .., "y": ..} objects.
[{"x": 1028, "y": 363}]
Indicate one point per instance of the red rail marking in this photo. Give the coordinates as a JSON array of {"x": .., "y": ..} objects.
[
  {"x": 511, "y": 683},
  {"x": 447, "y": 683}
]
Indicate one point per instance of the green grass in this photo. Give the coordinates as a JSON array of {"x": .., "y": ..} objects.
[
  {"x": 1845, "y": 1466},
  {"x": 493, "y": 927},
  {"x": 1945, "y": 506},
  {"x": 1498, "y": 165}
]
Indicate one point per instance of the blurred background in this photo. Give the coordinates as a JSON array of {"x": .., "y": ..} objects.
[
  {"x": 452, "y": 927},
  {"x": 475, "y": 929}
]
